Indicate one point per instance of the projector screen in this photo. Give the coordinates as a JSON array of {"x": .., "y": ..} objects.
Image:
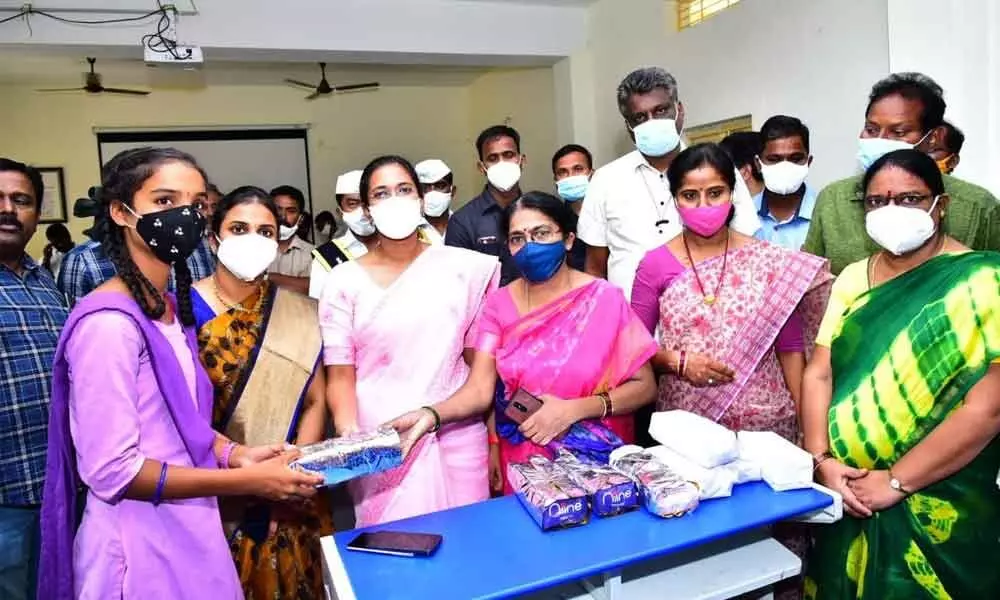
[{"x": 265, "y": 158}]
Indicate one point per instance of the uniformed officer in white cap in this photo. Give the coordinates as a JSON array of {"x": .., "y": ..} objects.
[
  {"x": 438, "y": 184},
  {"x": 359, "y": 238}
]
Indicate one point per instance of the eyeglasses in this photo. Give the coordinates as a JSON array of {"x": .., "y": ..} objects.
[
  {"x": 908, "y": 200},
  {"x": 542, "y": 234}
]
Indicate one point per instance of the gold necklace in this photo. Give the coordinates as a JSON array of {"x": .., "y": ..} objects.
[{"x": 237, "y": 307}]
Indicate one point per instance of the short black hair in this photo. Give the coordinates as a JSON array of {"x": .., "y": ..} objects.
[
  {"x": 56, "y": 232},
  {"x": 34, "y": 177},
  {"x": 292, "y": 192},
  {"x": 570, "y": 149},
  {"x": 914, "y": 162},
  {"x": 783, "y": 126},
  {"x": 494, "y": 132},
  {"x": 913, "y": 86},
  {"x": 381, "y": 161},
  {"x": 954, "y": 139},
  {"x": 698, "y": 156},
  {"x": 545, "y": 203},
  {"x": 742, "y": 147},
  {"x": 245, "y": 194}
]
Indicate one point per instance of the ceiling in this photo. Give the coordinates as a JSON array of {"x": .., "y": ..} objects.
[{"x": 48, "y": 69}]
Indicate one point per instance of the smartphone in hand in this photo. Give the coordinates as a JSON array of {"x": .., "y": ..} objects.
[{"x": 522, "y": 405}]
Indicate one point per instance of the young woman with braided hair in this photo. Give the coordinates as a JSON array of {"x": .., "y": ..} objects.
[{"x": 131, "y": 412}]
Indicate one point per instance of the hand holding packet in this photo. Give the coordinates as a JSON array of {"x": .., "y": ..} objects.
[{"x": 355, "y": 455}]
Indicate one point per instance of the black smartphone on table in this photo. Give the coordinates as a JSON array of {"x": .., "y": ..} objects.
[{"x": 396, "y": 543}]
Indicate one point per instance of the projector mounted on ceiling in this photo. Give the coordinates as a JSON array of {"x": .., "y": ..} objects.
[{"x": 184, "y": 57}]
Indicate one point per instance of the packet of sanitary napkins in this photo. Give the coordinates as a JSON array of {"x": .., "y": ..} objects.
[
  {"x": 712, "y": 483},
  {"x": 694, "y": 437},
  {"x": 610, "y": 491},
  {"x": 344, "y": 458},
  {"x": 783, "y": 465},
  {"x": 664, "y": 493},
  {"x": 549, "y": 496}
]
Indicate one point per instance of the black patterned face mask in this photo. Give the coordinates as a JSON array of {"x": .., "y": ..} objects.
[{"x": 171, "y": 234}]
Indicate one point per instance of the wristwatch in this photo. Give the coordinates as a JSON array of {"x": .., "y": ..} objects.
[{"x": 897, "y": 485}]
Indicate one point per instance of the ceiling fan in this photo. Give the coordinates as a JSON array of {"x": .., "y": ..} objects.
[
  {"x": 323, "y": 88},
  {"x": 92, "y": 85}
]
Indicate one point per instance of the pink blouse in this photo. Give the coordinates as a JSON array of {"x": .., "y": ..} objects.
[{"x": 657, "y": 271}]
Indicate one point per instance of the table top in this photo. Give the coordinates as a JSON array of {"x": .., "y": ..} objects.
[{"x": 494, "y": 549}]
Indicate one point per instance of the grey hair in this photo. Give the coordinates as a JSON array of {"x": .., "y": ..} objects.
[{"x": 644, "y": 81}]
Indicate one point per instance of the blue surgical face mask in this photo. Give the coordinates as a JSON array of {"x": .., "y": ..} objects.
[
  {"x": 872, "y": 149},
  {"x": 656, "y": 137},
  {"x": 573, "y": 189},
  {"x": 540, "y": 262}
]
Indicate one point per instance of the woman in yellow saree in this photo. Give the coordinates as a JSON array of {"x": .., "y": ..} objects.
[
  {"x": 901, "y": 404},
  {"x": 260, "y": 345}
]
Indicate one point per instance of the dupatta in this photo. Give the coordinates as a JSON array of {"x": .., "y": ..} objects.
[
  {"x": 586, "y": 342},
  {"x": 55, "y": 573}
]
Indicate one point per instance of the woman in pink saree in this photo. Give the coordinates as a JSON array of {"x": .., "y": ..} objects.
[
  {"x": 559, "y": 334},
  {"x": 395, "y": 324},
  {"x": 736, "y": 315}
]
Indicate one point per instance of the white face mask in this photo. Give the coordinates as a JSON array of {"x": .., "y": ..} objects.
[
  {"x": 247, "y": 256},
  {"x": 397, "y": 217},
  {"x": 359, "y": 223},
  {"x": 785, "y": 177},
  {"x": 285, "y": 232},
  {"x": 504, "y": 175},
  {"x": 900, "y": 229},
  {"x": 436, "y": 203}
]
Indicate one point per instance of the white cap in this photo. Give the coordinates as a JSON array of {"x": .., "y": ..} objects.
[
  {"x": 349, "y": 183},
  {"x": 431, "y": 170}
]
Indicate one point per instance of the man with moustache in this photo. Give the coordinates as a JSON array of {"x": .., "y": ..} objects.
[{"x": 32, "y": 312}]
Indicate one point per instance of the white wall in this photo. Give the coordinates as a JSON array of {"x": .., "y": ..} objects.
[
  {"x": 960, "y": 48},
  {"x": 814, "y": 59}
]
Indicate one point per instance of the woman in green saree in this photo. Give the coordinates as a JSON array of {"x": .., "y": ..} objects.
[
  {"x": 901, "y": 404},
  {"x": 260, "y": 345}
]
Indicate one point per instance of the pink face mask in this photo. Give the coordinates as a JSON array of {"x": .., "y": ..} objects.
[{"x": 706, "y": 221}]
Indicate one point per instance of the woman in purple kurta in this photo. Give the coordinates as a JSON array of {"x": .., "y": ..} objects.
[{"x": 131, "y": 409}]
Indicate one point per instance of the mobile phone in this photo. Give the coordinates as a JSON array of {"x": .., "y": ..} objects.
[
  {"x": 522, "y": 405},
  {"x": 396, "y": 543}
]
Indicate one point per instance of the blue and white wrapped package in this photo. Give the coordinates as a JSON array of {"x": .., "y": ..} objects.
[
  {"x": 611, "y": 492},
  {"x": 345, "y": 458}
]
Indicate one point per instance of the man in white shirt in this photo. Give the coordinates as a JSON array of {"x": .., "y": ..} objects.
[
  {"x": 359, "y": 238},
  {"x": 438, "y": 185},
  {"x": 629, "y": 209}
]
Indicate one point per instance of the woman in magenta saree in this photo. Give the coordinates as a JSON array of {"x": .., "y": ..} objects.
[{"x": 560, "y": 335}]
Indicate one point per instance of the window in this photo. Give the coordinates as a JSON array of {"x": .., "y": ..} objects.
[
  {"x": 692, "y": 12},
  {"x": 714, "y": 132}
]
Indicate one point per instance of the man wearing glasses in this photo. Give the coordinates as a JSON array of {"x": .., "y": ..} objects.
[{"x": 628, "y": 209}]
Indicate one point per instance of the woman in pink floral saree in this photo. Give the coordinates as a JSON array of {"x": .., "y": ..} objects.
[{"x": 560, "y": 335}]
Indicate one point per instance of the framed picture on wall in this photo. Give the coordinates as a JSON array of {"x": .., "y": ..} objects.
[
  {"x": 716, "y": 131},
  {"x": 54, "y": 198}
]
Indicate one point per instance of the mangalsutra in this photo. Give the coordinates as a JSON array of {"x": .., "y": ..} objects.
[
  {"x": 708, "y": 299},
  {"x": 231, "y": 306}
]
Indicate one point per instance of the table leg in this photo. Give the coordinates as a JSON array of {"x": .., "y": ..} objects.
[{"x": 610, "y": 588}]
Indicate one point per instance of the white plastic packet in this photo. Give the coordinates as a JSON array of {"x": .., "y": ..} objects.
[
  {"x": 712, "y": 483},
  {"x": 783, "y": 465},
  {"x": 694, "y": 437}
]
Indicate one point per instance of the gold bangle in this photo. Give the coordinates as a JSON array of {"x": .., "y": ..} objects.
[{"x": 606, "y": 403}]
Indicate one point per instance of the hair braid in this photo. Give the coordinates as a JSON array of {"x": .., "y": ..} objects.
[
  {"x": 140, "y": 287},
  {"x": 182, "y": 277}
]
